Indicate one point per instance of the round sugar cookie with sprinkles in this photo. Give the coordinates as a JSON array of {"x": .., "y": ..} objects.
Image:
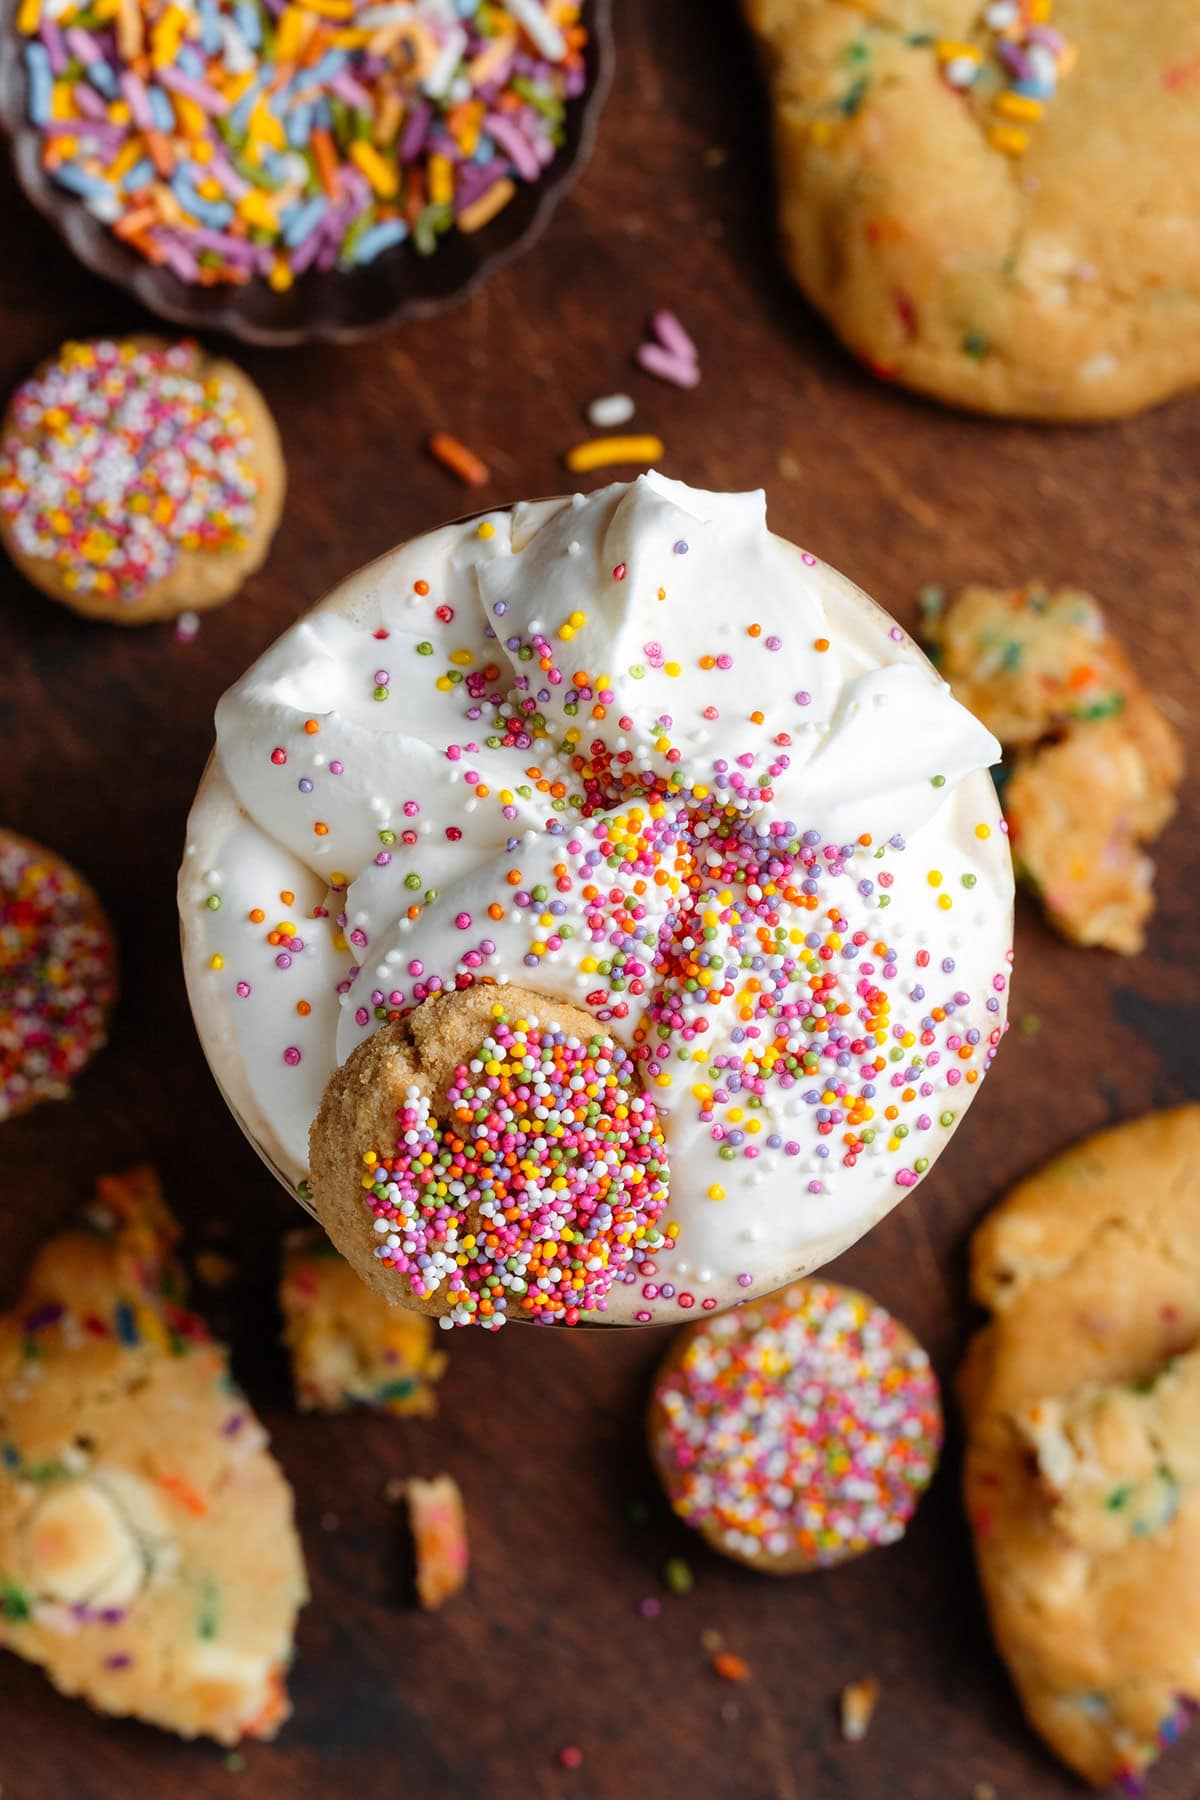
[
  {"x": 799, "y": 1431},
  {"x": 58, "y": 975},
  {"x": 491, "y": 1155},
  {"x": 138, "y": 478}
]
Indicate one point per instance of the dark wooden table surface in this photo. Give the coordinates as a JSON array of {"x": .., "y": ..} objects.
[{"x": 102, "y": 736}]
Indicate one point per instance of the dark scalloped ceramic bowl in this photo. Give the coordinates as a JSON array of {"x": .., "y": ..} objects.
[{"x": 335, "y": 307}]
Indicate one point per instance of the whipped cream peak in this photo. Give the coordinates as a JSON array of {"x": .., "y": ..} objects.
[{"x": 634, "y": 752}]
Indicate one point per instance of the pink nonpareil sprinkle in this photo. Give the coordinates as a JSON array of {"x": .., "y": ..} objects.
[
  {"x": 668, "y": 366},
  {"x": 186, "y": 627}
]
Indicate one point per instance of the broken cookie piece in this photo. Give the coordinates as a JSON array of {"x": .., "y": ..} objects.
[
  {"x": 148, "y": 1557},
  {"x": 439, "y": 1527},
  {"x": 1093, "y": 764},
  {"x": 349, "y": 1347}
]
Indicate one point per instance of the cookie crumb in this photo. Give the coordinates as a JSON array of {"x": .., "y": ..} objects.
[
  {"x": 984, "y": 1790},
  {"x": 859, "y": 1700},
  {"x": 213, "y": 1269},
  {"x": 711, "y": 1640},
  {"x": 439, "y": 1528}
]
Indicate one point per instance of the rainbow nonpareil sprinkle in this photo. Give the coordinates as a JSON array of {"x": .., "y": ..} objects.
[
  {"x": 57, "y": 976},
  {"x": 234, "y": 140},
  {"x": 807, "y": 1426},
  {"x": 546, "y": 1182},
  {"x": 119, "y": 458}
]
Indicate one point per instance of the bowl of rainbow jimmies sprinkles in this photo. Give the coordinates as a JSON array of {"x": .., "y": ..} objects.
[{"x": 292, "y": 169}]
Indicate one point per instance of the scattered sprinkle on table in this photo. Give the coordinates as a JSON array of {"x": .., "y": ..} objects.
[
  {"x": 670, "y": 352},
  {"x": 730, "y": 1667},
  {"x": 235, "y": 140},
  {"x": 604, "y": 452},
  {"x": 460, "y": 461},
  {"x": 609, "y": 411}
]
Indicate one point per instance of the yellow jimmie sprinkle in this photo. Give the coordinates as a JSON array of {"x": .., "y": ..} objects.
[
  {"x": 381, "y": 175},
  {"x": 601, "y": 453},
  {"x": 1010, "y": 140},
  {"x": 1017, "y": 106}
]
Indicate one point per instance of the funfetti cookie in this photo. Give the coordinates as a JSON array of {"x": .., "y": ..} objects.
[
  {"x": 1082, "y": 1476},
  {"x": 58, "y": 975},
  {"x": 1094, "y": 763},
  {"x": 348, "y": 1346},
  {"x": 990, "y": 200},
  {"x": 148, "y": 1558},
  {"x": 139, "y": 478},
  {"x": 690, "y": 808}
]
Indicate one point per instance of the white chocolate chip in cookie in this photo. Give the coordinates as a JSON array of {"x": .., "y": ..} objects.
[{"x": 81, "y": 1549}]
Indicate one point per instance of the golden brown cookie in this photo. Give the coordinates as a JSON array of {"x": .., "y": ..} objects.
[
  {"x": 797, "y": 1431},
  {"x": 58, "y": 975},
  {"x": 1095, "y": 765},
  {"x": 490, "y": 1155},
  {"x": 1082, "y": 1406},
  {"x": 939, "y": 163},
  {"x": 148, "y": 1559},
  {"x": 139, "y": 478},
  {"x": 348, "y": 1346}
]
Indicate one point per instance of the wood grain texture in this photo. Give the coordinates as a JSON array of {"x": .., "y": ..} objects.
[{"x": 104, "y": 733}]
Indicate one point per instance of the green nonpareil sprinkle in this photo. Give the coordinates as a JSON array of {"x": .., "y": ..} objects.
[
  {"x": 975, "y": 345},
  {"x": 678, "y": 1576}
]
